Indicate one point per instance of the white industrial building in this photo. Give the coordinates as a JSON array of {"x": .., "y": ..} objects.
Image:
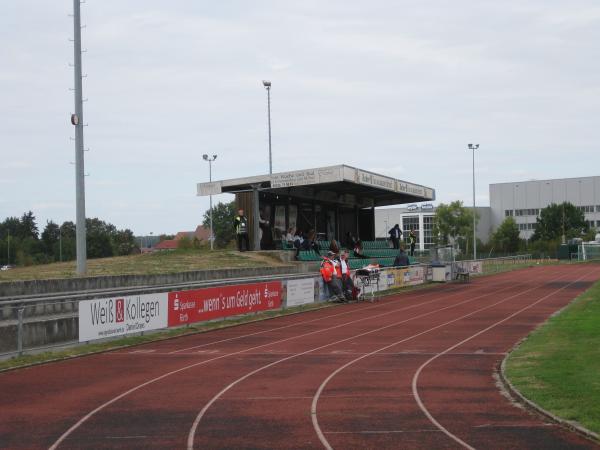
[
  {"x": 419, "y": 217},
  {"x": 522, "y": 200}
]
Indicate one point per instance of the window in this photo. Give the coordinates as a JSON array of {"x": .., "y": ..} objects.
[
  {"x": 510, "y": 213},
  {"x": 597, "y": 208},
  {"x": 428, "y": 231},
  {"x": 410, "y": 223},
  {"x": 586, "y": 209}
]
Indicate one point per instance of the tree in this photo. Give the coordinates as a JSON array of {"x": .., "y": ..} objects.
[
  {"x": 506, "y": 237},
  {"x": 223, "y": 215},
  {"x": 50, "y": 236},
  {"x": 123, "y": 242},
  {"x": 554, "y": 220},
  {"x": 99, "y": 238},
  {"x": 453, "y": 223},
  {"x": 27, "y": 226}
]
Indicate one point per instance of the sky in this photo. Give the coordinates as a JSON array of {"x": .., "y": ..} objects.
[{"x": 397, "y": 87}]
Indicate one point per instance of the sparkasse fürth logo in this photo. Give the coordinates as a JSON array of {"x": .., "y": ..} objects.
[{"x": 120, "y": 310}]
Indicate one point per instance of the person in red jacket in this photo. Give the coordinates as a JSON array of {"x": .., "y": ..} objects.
[{"x": 331, "y": 274}]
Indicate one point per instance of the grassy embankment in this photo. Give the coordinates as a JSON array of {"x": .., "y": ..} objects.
[
  {"x": 146, "y": 264},
  {"x": 558, "y": 366}
]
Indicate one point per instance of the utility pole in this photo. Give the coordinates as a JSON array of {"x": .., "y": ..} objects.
[
  {"x": 8, "y": 248},
  {"x": 77, "y": 121}
]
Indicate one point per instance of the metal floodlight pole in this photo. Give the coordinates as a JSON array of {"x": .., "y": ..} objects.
[
  {"x": 267, "y": 85},
  {"x": 474, "y": 147},
  {"x": 210, "y": 161},
  {"x": 77, "y": 121}
]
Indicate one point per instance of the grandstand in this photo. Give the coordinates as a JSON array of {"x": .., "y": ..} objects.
[{"x": 377, "y": 252}]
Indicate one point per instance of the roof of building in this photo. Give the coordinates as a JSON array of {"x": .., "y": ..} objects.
[
  {"x": 169, "y": 244},
  {"x": 339, "y": 184}
]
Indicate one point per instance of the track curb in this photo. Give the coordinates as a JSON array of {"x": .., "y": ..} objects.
[{"x": 530, "y": 405}]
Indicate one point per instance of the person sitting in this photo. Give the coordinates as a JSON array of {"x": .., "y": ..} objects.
[
  {"x": 289, "y": 237},
  {"x": 401, "y": 259},
  {"x": 350, "y": 240},
  {"x": 331, "y": 277},
  {"x": 358, "y": 250},
  {"x": 334, "y": 247},
  {"x": 298, "y": 242},
  {"x": 312, "y": 242}
]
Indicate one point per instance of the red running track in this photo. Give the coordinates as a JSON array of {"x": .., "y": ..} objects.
[{"x": 416, "y": 370}]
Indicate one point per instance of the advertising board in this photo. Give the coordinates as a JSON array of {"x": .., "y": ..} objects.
[
  {"x": 199, "y": 305},
  {"x": 300, "y": 292},
  {"x": 117, "y": 316}
]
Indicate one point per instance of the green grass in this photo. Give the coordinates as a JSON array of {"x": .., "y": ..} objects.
[
  {"x": 558, "y": 366},
  {"x": 146, "y": 264}
]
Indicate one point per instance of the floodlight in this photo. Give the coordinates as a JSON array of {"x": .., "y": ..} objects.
[
  {"x": 266, "y": 83},
  {"x": 205, "y": 157}
]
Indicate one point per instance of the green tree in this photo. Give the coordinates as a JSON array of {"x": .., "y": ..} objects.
[
  {"x": 123, "y": 242},
  {"x": 223, "y": 215},
  {"x": 99, "y": 238},
  {"x": 556, "y": 219},
  {"x": 506, "y": 237},
  {"x": 453, "y": 224},
  {"x": 50, "y": 236}
]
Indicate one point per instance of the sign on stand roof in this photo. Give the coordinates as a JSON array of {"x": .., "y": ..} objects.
[{"x": 381, "y": 189}]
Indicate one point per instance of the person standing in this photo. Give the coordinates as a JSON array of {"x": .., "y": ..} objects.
[
  {"x": 395, "y": 234},
  {"x": 240, "y": 225},
  {"x": 347, "y": 283},
  {"x": 412, "y": 240}
]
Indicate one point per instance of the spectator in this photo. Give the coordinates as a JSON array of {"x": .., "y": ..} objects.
[
  {"x": 289, "y": 237},
  {"x": 334, "y": 247},
  {"x": 331, "y": 278},
  {"x": 412, "y": 240},
  {"x": 395, "y": 234},
  {"x": 350, "y": 240},
  {"x": 240, "y": 225},
  {"x": 312, "y": 242},
  {"x": 347, "y": 283},
  {"x": 401, "y": 259},
  {"x": 358, "y": 250}
]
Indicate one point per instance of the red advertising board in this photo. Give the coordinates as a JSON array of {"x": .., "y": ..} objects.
[{"x": 199, "y": 305}]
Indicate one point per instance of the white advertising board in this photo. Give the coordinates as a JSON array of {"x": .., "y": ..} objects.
[
  {"x": 300, "y": 292},
  {"x": 117, "y": 316}
]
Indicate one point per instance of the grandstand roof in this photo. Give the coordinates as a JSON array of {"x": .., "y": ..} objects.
[{"x": 339, "y": 184}]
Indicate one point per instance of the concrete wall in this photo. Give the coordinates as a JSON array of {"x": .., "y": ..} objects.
[{"x": 40, "y": 287}]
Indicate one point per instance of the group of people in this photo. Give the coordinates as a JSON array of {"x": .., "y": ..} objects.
[
  {"x": 395, "y": 235},
  {"x": 335, "y": 271}
]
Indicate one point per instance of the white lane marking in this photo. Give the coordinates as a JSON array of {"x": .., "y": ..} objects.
[
  {"x": 317, "y": 395},
  {"x": 425, "y": 430},
  {"x": 415, "y": 379},
  {"x": 173, "y": 372},
  {"x": 304, "y": 322},
  {"x": 190, "y": 441},
  {"x": 142, "y": 351}
]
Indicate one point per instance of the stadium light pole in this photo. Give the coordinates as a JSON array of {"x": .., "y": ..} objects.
[
  {"x": 77, "y": 122},
  {"x": 267, "y": 85},
  {"x": 210, "y": 161},
  {"x": 474, "y": 147}
]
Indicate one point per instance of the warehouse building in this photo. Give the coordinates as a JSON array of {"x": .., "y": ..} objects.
[{"x": 524, "y": 200}]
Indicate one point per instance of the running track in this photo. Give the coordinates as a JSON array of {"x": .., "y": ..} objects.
[{"x": 416, "y": 370}]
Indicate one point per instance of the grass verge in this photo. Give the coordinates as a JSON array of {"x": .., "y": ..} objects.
[
  {"x": 145, "y": 264},
  {"x": 558, "y": 365}
]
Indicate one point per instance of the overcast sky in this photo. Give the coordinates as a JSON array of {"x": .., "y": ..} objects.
[{"x": 396, "y": 87}]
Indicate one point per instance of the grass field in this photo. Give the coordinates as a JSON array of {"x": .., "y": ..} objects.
[
  {"x": 146, "y": 264},
  {"x": 558, "y": 366}
]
